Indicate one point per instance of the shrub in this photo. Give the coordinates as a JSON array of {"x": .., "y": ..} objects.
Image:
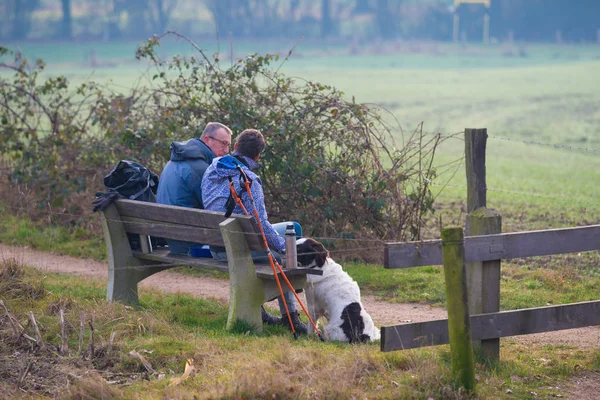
[{"x": 330, "y": 163}]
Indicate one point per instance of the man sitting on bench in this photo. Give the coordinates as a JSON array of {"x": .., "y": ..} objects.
[{"x": 180, "y": 182}]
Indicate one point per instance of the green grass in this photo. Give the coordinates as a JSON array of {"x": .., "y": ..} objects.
[
  {"x": 540, "y": 111},
  {"x": 170, "y": 329},
  {"x": 75, "y": 241},
  {"x": 532, "y": 187},
  {"x": 527, "y": 110}
]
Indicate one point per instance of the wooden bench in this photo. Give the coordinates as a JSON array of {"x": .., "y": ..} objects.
[{"x": 251, "y": 284}]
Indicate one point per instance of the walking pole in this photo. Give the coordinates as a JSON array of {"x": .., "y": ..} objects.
[
  {"x": 273, "y": 263},
  {"x": 300, "y": 302},
  {"x": 247, "y": 184}
]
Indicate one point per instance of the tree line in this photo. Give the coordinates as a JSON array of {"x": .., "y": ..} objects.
[{"x": 386, "y": 19}]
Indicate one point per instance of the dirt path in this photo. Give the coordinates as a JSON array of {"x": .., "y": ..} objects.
[{"x": 383, "y": 313}]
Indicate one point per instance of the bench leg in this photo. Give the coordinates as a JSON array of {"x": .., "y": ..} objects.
[
  {"x": 123, "y": 281},
  {"x": 246, "y": 295},
  {"x": 310, "y": 306},
  {"x": 123, "y": 276},
  {"x": 123, "y": 285},
  {"x": 246, "y": 291}
]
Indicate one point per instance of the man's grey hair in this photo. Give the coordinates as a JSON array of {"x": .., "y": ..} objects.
[
  {"x": 212, "y": 127},
  {"x": 250, "y": 143}
]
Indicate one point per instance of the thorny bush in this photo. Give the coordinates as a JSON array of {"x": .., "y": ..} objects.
[{"x": 330, "y": 163}]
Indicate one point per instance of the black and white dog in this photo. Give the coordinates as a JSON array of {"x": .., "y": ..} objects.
[{"x": 335, "y": 296}]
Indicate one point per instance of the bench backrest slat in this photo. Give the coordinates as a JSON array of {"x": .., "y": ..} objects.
[
  {"x": 210, "y": 236},
  {"x": 183, "y": 223}
]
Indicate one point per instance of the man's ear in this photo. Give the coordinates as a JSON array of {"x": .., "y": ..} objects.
[{"x": 257, "y": 157}]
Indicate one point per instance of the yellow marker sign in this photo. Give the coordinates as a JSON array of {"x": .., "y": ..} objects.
[{"x": 484, "y": 2}]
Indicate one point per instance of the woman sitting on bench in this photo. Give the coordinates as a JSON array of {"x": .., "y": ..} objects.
[{"x": 216, "y": 194}]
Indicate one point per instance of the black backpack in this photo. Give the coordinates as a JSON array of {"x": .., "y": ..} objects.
[{"x": 133, "y": 181}]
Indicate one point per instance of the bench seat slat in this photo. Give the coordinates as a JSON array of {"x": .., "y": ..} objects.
[
  {"x": 263, "y": 270},
  {"x": 165, "y": 256}
]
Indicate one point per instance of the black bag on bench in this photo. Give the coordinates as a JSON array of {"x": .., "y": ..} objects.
[{"x": 133, "y": 181}]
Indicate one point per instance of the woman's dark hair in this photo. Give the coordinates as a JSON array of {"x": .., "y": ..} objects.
[{"x": 250, "y": 143}]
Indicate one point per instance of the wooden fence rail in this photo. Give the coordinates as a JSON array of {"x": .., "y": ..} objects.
[
  {"x": 494, "y": 325},
  {"x": 504, "y": 323},
  {"x": 483, "y": 255},
  {"x": 500, "y": 246}
]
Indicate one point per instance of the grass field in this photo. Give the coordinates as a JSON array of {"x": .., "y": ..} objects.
[
  {"x": 542, "y": 119},
  {"x": 538, "y": 102},
  {"x": 167, "y": 330}
]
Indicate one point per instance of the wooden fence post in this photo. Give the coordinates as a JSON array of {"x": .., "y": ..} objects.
[
  {"x": 475, "y": 142},
  {"x": 483, "y": 278},
  {"x": 459, "y": 323}
]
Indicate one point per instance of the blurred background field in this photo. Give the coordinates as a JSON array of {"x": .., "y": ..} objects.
[{"x": 540, "y": 107}]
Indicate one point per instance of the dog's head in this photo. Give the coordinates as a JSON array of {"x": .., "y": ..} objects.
[{"x": 311, "y": 254}]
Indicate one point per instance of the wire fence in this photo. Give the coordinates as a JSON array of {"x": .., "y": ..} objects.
[
  {"x": 552, "y": 145},
  {"x": 446, "y": 173}
]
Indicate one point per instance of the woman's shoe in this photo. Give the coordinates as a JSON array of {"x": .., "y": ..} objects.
[
  {"x": 299, "y": 326},
  {"x": 269, "y": 319}
]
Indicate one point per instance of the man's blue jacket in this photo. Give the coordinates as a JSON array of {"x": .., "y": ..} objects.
[{"x": 180, "y": 182}]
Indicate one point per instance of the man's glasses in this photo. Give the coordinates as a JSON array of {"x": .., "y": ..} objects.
[{"x": 223, "y": 142}]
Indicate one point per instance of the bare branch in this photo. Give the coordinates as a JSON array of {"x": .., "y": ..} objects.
[{"x": 38, "y": 335}]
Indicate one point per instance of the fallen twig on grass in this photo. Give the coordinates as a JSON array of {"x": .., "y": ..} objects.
[
  {"x": 38, "y": 335},
  {"x": 144, "y": 361},
  {"x": 24, "y": 374},
  {"x": 189, "y": 368},
  {"x": 13, "y": 322},
  {"x": 110, "y": 342},
  {"x": 91, "y": 350},
  {"x": 64, "y": 344},
  {"x": 81, "y": 325},
  {"x": 26, "y": 336}
]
